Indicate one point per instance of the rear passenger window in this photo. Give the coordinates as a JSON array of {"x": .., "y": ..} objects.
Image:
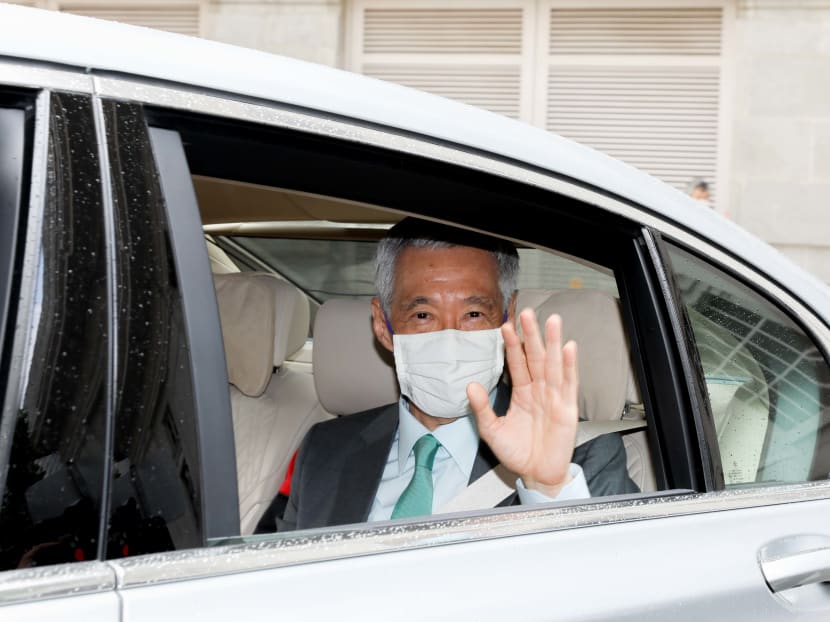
[{"x": 768, "y": 383}]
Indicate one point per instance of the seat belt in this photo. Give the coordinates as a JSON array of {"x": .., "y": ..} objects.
[{"x": 499, "y": 482}]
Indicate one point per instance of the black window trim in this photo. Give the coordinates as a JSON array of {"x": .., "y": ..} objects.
[
  {"x": 220, "y": 502},
  {"x": 700, "y": 427}
]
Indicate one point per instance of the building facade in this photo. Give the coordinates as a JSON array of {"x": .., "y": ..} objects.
[{"x": 735, "y": 92}]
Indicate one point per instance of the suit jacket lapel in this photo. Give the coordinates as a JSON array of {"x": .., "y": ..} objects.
[{"x": 363, "y": 468}]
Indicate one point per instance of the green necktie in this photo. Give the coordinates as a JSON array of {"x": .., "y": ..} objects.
[{"x": 416, "y": 499}]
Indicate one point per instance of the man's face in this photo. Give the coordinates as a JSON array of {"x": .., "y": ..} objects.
[{"x": 439, "y": 289}]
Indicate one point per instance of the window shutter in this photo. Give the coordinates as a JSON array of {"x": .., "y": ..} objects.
[
  {"x": 474, "y": 53},
  {"x": 182, "y": 18},
  {"x": 642, "y": 85}
]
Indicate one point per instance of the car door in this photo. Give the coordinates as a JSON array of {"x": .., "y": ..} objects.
[
  {"x": 700, "y": 551},
  {"x": 112, "y": 441}
]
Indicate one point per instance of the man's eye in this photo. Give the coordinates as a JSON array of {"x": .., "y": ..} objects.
[
  {"x": 422, "y": 315},
  {"x": 475, "y": 314}
]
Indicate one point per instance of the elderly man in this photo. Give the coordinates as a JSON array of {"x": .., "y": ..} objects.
[{"x": 445, "y": 308}]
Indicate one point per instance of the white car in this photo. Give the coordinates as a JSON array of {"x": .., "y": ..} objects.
[{"x": 186, "y": 241}]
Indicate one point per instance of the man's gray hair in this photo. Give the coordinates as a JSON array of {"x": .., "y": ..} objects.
[{"x": 417, "y": 233}]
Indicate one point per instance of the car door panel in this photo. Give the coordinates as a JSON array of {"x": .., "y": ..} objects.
[
  {"x": 684, "y": 567},
  {"x": 90, "y": 608}
]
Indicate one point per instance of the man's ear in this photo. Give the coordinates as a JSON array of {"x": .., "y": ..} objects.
[{"x": 379, "y": 326}]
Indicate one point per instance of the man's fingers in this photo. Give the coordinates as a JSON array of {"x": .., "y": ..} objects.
[
  {"x": 534, "y": 348},
  {"x": 553, "y": 342},
  {"x": 514, "y": 353},
  {"x": 480, "y": 403}
]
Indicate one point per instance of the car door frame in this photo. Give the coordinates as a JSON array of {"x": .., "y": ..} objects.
[{"x": 90, "y": 586}]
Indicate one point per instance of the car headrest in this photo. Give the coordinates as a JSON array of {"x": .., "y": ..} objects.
[
  {"x": 593, "y": 320},
  {"x": 352, "y": 371},
  {"x": 264, "y": 320}
]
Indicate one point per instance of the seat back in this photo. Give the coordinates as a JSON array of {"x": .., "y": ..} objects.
[
  {"x": 352, "y": 371},
  {"x": 265, "y": 320},
  {"x": 608, "y": 389}
]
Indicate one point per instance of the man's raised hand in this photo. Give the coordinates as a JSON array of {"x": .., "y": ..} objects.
[{"x": 535, "y": 439}]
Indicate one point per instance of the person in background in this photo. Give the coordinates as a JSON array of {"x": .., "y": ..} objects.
[{"x": 698, "y": 189}]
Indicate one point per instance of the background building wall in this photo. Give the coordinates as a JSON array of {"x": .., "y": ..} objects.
[
  {"x": 780, "y": 169},
  {"x": 305, "y": 29}
]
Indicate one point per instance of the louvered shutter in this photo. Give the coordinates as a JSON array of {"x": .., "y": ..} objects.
[
  {"x": 641, "y": 84},
  {"x": 477, "y": 53},
  {"x": 180, "y": 17}
]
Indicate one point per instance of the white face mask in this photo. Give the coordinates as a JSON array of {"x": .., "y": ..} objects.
[{"x": 435, "y": 368}]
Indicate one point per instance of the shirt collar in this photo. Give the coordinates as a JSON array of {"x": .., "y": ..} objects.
[{"x": 460, "y": 438}]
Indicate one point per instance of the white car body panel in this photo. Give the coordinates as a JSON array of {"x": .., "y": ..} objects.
[{"x": 104, "y": 607}]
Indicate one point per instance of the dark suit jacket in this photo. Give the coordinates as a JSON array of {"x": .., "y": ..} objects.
[{"x": 340, "y": 463}]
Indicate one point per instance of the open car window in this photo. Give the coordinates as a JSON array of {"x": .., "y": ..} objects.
[{"x": 313, "y": 222}]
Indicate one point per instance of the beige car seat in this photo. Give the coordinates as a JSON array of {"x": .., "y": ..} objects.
[
  {"x": 739, "y": 398},
  {"x": 220, "y": 262},
  {"x": 608, "y": 392},
  {"x": 264, "y": 321},
  {"x": 352, "y": 372}
]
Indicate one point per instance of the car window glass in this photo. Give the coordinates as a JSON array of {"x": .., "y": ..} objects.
[
  {"x": 156, "y": 502},
  {"x": 326, "y": 269},
  {"x": 768, "y": 384},
  {"x": 52, "y": 499},
  {"x": 12, "y": 172}
]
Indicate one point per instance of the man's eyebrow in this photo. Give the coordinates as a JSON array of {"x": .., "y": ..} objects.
[
  {"x": 416, "y": 302},
  {"x": 485, "y": 301}
]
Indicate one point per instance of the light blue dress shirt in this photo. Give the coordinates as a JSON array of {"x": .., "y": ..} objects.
[{"x": 452, "y": 467}]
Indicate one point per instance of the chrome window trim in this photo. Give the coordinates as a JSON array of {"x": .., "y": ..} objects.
[
  {"x": 58, "y": 581},
  {"x": 113, "y": 302},
  {"x": 291, "y": 549},
  {"x": 270, "y": 114},
  {"x": 31, "y": 75}
]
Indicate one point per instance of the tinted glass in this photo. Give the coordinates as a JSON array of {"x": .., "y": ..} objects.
[
  {"x": 12, "y": 159},
  {"x": 156, "y": 487},
  {"x": 768, "y": 384},
  {"x": 346, "y": 268},
  {"x": 52, "y": 499}
]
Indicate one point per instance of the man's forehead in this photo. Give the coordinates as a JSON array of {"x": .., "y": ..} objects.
[
  {"x": 465, "y": 270},
  {"x": 445, "y": 254}
]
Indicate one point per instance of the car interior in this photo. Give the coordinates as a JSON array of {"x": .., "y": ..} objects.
[{"x": 298, "y": 355}]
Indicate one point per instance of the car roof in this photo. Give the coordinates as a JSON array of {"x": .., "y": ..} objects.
[{"x": 97, "y": 45}]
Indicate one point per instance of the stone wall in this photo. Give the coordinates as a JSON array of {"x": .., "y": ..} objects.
[
  {"x": 780, "y": 161},
  {"x": 305, "y": 29}
]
